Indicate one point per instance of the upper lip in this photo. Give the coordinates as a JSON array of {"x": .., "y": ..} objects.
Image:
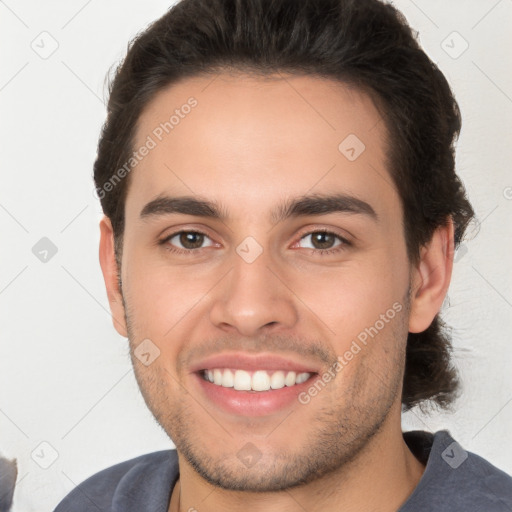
[{"x": 252, "y": 362}]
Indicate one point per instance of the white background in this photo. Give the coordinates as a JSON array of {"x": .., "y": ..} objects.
[{"x": 65, "y": 374}]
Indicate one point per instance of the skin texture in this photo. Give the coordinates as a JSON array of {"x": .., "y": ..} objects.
[{"x": 250, "y": 145}]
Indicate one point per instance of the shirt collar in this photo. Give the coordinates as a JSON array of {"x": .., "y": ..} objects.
[{"x": 148, "y": 486}]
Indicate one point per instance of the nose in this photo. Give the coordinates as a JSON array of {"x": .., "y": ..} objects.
[{"x": 253, "y": 297}]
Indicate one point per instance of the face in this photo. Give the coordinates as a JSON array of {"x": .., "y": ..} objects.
[{"x": 264, "y": 251}]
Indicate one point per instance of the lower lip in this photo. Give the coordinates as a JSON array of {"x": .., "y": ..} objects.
[{"x": 251, "y": 403}]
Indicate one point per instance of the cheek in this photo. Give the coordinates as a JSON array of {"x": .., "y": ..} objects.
[
  {"x": 161, "y": 298},
  {"x": 353, "y": 297}
]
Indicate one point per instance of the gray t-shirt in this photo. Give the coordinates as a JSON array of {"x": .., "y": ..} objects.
[{"x": 454, "y": 480}]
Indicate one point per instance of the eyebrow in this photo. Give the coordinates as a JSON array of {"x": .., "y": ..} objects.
[{"x": 317, "y": 204}]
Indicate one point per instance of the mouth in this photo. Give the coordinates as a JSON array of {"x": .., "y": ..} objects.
[
  {"x": 259, "y": 380},
  {"x": 245, "y": 384}
]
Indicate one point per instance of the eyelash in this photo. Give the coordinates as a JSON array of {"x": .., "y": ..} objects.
[{"x": 321, "y": 252}]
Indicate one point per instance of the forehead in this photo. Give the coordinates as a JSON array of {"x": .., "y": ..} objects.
[{"x": 260, "y": 138}]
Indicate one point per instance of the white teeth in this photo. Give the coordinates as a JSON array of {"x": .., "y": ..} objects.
[
  {"x": 217, "y": 377},
  {"x": 242, "y": 380},
  {"x": 277, "y": 380},
  {"x": 301, "y": 377},
  {"x": 228, "y": 379},
  {"x": 289, "y": 380},
  {"x": 260, "y": 380}
]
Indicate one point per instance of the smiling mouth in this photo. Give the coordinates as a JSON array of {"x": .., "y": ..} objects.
[{"x": 259, "y": 380}]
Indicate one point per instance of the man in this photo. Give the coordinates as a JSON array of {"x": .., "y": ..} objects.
[{"x": 281, "y": 212}]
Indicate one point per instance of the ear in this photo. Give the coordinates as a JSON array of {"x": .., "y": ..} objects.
[
  {"x": 110, "y": 275},
  {"x": 431, "y": 278}
]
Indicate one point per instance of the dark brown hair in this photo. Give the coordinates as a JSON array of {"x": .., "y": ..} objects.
[{"x": 365, "y": 43}]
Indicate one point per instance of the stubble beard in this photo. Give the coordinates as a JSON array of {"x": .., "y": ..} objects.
[{"x": 335, "y": 438}]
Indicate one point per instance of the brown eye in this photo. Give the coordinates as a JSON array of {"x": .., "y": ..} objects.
[
  {"x": 188, "y": 240},
  {"x": 322, "y": 240}
]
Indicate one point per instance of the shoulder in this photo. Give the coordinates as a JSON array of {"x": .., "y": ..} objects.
[
  {"x": 456, "y": 479},
  {"x": 153, "y": 473}
]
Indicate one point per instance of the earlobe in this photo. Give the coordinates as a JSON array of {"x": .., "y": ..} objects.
[
  {"x": 110, "y": 275},
  {"x": 431, "y": 278}
]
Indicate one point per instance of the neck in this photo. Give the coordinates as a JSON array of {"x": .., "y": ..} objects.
[{"x": 380, "y": 478}]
